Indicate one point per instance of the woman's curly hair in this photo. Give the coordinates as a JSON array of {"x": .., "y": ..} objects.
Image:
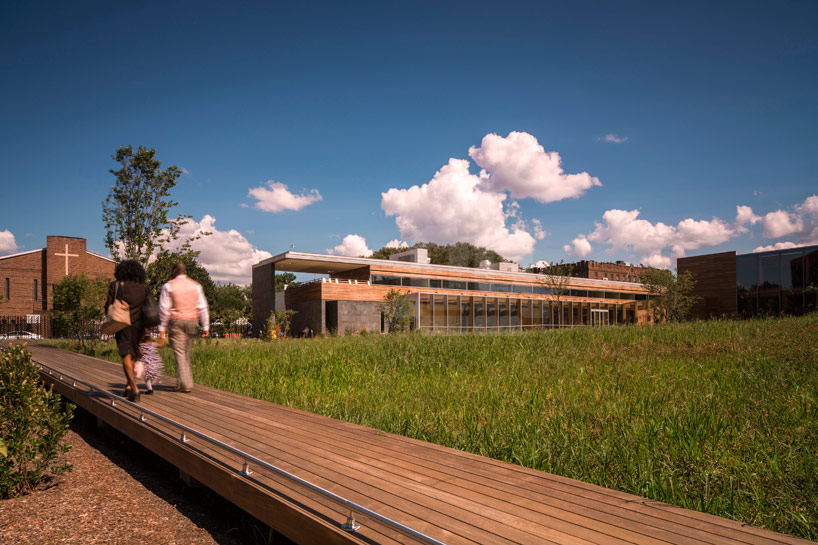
[{"x": 130, "y": 271}]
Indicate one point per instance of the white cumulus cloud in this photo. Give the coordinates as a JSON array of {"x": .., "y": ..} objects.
[
  {"x": 395, "y": 243},
  {"x": 776, "y": 246},
  {"x": 781, "y": 224},
  {"x": 454, "y": 206},
  {"x": 227, "y": 255},
  {"x": 7, "y": 242},
  {"x": 352, "y": 246},
  {"x": 579, "y": 247},
  {"x": 624, "y": 230},
  {"x": 276, "y": 197},
  {"x": 520, "y": 165}
]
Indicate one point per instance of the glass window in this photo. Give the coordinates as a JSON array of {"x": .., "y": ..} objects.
[
  {"x": 8, "y": 289},
  {"x": 479, "y": 286},
  {"x": 453, "y": 313},
  {"x": 536, "y": 313},
  {"x": 502, "y": 312},
  {"x": 425, "y": 310},
  {"x": 491, "y": 312},
  {"x": 542, "y": 290},
  {"x": 523, "y": 288},
  {"x": 769, "y": 276},
  {"x": 479, "y": 312},
  {"x": 36, "y": 292},
  {"x": 433, "y": 283},
  {"x": 586, "y": 314},
  {"x": 811, "y": 281},
  {"x": 386, "y": 280},
  {"x": 455, "y": 285},
  {"x": 575, "y": 319},
  {"x": 579, "y": 293},
  {"x": 526, "y": 318},
  {"x": 566, "y": 315},
  {"x": 465, "y": 312},
  {"x": 440, "y": 311},
  {"x": 502, "y": 288},
  {"x": 611, "y": 295},
  {"x": 792, "y": 270},
  {"x": 514, "y": 312},
  {"x": 747, "y": 284},
  {"x": 416, "y": 282}
]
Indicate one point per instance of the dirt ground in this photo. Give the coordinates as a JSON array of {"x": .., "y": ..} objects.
[{"x": 120, "y": 493}]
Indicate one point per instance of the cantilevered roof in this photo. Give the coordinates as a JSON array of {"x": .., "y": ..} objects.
[{"x": 302, "y": 262}]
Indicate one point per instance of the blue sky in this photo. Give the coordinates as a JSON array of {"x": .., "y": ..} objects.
[{"x": 666, "y": 117}]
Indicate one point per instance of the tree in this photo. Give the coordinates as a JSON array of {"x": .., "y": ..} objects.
[
  {"x": 557, "y": 280},
  {"x": 161, "y": 270},
  {"x": 231, "y": 303},
  {"x": 136, "y": 210},
  {"x": 459, "y": 254},
  {"x": 397, "y": 311},
  {"x": 279, "y": 320},
  {"x": 285, "y": 279},
  {"x": 78, "y": 304},
  {"x": 670, "y": 298}
]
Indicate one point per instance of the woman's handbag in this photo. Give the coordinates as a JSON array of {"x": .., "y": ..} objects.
[
  {"x": 118, "y": 316},
  {"x": 150, "y": 311}
]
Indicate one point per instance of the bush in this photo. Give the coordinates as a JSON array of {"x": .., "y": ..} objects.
[{"x": 32, "y": 423}]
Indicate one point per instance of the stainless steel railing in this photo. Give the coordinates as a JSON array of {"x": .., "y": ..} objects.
[{"x": 351, "y": 525}]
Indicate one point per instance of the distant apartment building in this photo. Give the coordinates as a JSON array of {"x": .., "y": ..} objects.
[{"x": 618, "y": 271}]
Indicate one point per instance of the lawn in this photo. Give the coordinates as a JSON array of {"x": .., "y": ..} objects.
[{"x": 720, "y": 417}]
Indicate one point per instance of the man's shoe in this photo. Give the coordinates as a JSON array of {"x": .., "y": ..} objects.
[{"x": 183, "y": 390}]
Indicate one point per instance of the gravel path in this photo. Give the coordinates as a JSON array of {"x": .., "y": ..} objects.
[{"x": 121, "y": 493}]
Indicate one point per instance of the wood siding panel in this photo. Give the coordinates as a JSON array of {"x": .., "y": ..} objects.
[{"x": 715, "y": 276}]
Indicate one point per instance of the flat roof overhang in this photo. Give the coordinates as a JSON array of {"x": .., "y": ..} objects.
[{"x": 302, "y": 262}]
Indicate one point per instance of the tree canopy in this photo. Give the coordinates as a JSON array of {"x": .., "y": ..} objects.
[
  {"x": 460, "y": 254},
  {"x": 670, "y": 295},
  {"x": 135, "y": 213},
  {"x": 78, "y": 305}
]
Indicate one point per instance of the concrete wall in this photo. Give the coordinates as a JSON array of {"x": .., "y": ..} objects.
[
  {"x": 356, "y": 315},
  {"x": 308, "y": 313},
  {"x": 263, "y": 295}
]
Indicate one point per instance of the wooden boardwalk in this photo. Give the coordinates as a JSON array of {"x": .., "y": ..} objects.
[{"x": 448, "y": 495}]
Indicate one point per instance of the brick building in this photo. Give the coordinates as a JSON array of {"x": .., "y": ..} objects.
[
  {"x": 27, "y": 279},
  {"x": 598, "y": 270}
]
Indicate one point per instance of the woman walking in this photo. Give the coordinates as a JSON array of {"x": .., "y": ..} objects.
[{"x": 130, "y": 287}]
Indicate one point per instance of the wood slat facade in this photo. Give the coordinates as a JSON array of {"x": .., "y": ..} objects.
[{"x": 452, "y": 496}]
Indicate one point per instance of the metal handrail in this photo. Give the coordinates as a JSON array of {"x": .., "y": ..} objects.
[{"x": 351, "y": 525}]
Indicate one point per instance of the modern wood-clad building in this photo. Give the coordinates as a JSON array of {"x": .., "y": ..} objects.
[
  {"x": 763, "y": 283},
  {"x": 345, "y": 292}
]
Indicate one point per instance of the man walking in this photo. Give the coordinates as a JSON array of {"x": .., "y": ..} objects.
[{"x": 182, "y": 306}]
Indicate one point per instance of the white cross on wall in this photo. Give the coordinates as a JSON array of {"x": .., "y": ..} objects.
[{"x": 66, "y": 255}]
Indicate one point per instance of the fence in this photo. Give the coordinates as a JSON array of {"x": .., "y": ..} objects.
[{"x": 37, "y": 324}]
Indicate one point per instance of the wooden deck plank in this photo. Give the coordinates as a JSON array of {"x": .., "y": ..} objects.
[{"x": 455, "y": 496}]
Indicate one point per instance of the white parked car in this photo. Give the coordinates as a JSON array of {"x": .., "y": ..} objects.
[{"x": 20, "y": 335}]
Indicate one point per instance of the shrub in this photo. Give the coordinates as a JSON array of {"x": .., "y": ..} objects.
[{"x": 32, "y": 423}]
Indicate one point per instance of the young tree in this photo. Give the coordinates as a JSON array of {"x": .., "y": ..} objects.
[
  {"x": 556, "y": 280},
  {"x": 397, "y": 311},
  {"x": 279, "y": 320},
  {"x": 670, "y": 297},
  {"x": 136, "y": 210},
  {"x": 78, "y": 304}
]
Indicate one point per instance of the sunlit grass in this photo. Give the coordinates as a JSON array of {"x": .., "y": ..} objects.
[{"x": 720, "y": 417}]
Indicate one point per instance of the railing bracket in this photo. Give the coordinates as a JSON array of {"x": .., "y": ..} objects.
[{"x": 351, "y": 525}]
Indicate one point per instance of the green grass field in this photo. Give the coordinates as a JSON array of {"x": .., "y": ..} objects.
[{"x": 720, "y": 417}]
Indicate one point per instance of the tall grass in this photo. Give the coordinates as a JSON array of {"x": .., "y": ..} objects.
[{"x": 720, "y": 417}]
